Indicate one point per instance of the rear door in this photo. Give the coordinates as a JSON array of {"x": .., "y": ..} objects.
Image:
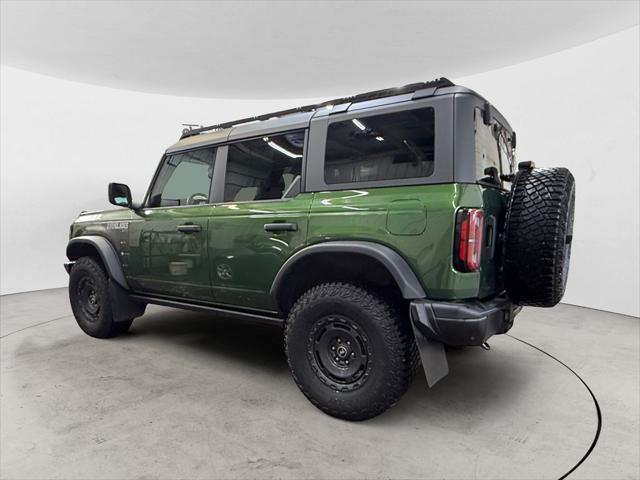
[
  {"x": 168, "y": 254},
  {"x": 261, "y": 221}
]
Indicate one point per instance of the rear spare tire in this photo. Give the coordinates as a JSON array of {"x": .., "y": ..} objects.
[{"x": 538, "y": 236}]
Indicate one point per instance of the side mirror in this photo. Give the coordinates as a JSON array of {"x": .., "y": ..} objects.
[{"x": 120, "y": 195}]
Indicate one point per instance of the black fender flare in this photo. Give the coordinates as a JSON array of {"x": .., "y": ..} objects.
[
  {"x": 402, "y": 273},
  {"x": 107, "y": 254}
]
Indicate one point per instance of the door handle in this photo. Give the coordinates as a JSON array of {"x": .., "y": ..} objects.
[
  {"x": 280, "y": 227},
  {"x": 189, "y": 228}
]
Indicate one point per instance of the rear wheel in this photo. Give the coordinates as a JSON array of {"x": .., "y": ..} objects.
[
  {"x": 349, "y": 351},
  {"x": 90, "y": 300}
]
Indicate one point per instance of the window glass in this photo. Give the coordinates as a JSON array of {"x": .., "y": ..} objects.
[
  {"x": 506, "y": 158},
  {"x": 381, "y": 147},
  {"x": 493, "y": 149},
  {"x": 184, "y": 179},
  {"x": 486, "y": 146},
  {"x": 264, "y": 168}
]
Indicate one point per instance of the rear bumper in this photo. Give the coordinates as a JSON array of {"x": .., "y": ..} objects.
[{"x": 463, "y": 323}]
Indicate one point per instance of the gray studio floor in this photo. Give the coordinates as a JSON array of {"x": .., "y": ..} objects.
[{"x": 187, "y": 396}]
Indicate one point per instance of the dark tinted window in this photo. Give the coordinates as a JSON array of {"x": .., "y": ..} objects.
[
  {"x": 184, "y": 179},
  {"x": 380, "y": 147},
  {"x": 265, "y": 168}
]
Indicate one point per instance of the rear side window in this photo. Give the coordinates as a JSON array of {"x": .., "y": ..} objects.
[
  {"x": 266, "y": 168},
  {"x": 381, "y": 147}
]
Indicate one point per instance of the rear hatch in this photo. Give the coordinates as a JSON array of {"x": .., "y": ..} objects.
[
  {"x": 494, "y": 165},
  {"x": 494, "y": 206}
]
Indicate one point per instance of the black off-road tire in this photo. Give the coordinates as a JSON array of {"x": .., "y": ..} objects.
[
  {"x": 538, "y": 236},
  {"x": 90, "y": 300},
  {"x": 387, "y": 356}
]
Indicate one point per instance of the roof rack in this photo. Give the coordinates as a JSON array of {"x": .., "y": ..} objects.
[{"x": 387, "y": 92}]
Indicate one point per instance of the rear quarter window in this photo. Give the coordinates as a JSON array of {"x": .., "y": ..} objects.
[{"x": 381, "y": 147}]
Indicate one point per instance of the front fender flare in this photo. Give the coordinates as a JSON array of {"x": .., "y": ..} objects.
[{"x": 107, "y": 254}]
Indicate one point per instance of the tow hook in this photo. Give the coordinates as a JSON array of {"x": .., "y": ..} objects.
[{"x": 486, "y": 346}]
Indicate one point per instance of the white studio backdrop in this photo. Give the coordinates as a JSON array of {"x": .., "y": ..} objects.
[
  {"x": 62, "y": 142},
  {"x": 579, "y": 109}
]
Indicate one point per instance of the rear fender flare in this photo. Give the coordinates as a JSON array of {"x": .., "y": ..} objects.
[{"x": 402, "y": 273}]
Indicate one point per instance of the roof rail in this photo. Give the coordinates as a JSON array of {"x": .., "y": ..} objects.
[{"x": 387, "y": 92}]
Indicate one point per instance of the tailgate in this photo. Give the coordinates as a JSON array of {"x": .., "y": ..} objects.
[{"x": 494, "y": 205}]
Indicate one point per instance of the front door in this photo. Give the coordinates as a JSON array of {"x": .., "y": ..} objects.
[
  {"x": 262, "y": 220},
  {"x": 168, "y": 247}
]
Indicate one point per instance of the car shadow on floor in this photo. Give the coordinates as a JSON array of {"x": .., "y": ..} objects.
[
  {"x": 259, "y": 345},
  {"x": 479, "y": 381},
  {"x": 479, "y": 384}
]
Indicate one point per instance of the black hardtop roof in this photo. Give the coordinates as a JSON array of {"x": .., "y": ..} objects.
[{"x": 432, "y": 85}]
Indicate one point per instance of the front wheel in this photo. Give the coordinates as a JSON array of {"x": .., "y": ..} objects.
[
  {"x": 349, "y": 351},
  {"x": 90, "y": 300}
]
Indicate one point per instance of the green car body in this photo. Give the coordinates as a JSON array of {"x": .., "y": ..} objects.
[
  {"x": 233, "y": 261},
  {"x": 391, "y": 224}
]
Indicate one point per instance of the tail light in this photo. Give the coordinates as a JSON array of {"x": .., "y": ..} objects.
[{"x": 468, "y": 239}]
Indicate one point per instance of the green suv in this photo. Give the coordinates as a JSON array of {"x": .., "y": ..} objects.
[{"x": 375, "y": 230}]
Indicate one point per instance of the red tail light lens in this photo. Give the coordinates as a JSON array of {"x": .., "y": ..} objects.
[{"x": 468, "y": 240}]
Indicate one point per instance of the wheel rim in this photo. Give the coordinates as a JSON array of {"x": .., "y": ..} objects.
[
  {"x": 339, "y": 352},
  {"x": 88, "y": 298}
]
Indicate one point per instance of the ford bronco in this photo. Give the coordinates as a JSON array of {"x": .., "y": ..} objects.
[{"x": 374, "y": 229}]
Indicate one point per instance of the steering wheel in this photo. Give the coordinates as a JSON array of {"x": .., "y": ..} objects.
[{"x": 197, "y": 199}]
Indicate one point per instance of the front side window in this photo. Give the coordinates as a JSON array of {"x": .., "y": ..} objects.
[
  {"x": 381, "y": 147},
  {"x": 266, "y": 168},
  {"x": 184, "y": 179}
]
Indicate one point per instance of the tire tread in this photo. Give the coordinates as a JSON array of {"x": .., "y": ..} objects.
[
  {"x": 395, "y": 329},
  {"x": 538, "y": 217},
  {"x": 107, "y": 328}
]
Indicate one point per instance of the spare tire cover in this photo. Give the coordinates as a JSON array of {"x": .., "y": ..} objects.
[{"x": 538, "y": 236}]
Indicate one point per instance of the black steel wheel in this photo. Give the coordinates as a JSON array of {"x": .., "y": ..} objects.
[
  {"x": 349, "y": 350},
  {"x": 339, "y": 352},
  {"x": 90, "y": 300}
]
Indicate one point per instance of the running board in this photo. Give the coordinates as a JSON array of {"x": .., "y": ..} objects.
[{"x": 165, "y": 302}]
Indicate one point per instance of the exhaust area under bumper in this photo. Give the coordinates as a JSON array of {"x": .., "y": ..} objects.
[{"x": 463, "y": 323}]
